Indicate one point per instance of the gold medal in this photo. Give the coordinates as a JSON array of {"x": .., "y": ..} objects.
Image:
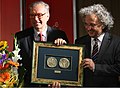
[
  {"x": 52, "y": 62},
  {"x": 64, "y": 63}
]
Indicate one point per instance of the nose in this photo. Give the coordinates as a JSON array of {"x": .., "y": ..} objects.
[
  {"x": 88, "y": 27},
  {"x": 36, "y": 18}
]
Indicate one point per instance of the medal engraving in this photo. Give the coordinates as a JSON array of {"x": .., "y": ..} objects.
[
  {"x": 51, "y": 62},
  {"x": 64, "y": 63}
]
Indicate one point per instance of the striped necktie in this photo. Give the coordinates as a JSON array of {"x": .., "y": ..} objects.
[{"x": 95, "y": 50}]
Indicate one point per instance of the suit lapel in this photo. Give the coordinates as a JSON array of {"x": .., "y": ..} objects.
[
  {"x": 30, "y": 42},
  {"x": 105, "y": 44},
  {"x": 49, "y": 29},
  {"x": 89, "y": 46},
  {"x": 87, "y": 43},
  {"x": 30, "y": 39}
]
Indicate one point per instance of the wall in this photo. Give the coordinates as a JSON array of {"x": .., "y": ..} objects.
[
  {"x": 9, "y": 20},
  {"x": 0, "y": 16}
]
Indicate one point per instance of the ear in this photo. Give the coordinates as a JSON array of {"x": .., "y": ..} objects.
[
  {"x": 48, "y": 16},
  {"x": 102, "y": 26}
]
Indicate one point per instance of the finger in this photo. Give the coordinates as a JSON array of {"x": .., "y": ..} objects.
[
  {"x": 64, "y": 42},
  {"x": 86, "y": 60},
  {"x": 53, "y": 84},
  {"x": 86, "y": 63},
  {"x": 49, "y": 85},
  {"x": 59, "y": 84},
  {"x": 60, "y": 41},
  {"x": 56, "y": 85},
  {"x": 86, "y": 66},
  {"x": 55, "y": 42}
]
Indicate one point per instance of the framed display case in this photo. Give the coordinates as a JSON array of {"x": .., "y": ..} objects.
[{"x": 57, "y": 63}]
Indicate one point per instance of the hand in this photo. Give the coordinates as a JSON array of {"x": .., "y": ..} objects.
[
  {"x": 60, "y": 41},
  {"x": 55, "y": 85},
  {"x": 88, "y": 63}
]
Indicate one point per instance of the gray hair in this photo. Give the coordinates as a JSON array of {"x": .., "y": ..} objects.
[
  {"x": 41, "y": 3},
  {"x": 102, "y": 13}
]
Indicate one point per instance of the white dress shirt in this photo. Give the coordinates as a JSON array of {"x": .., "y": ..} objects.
[
  {"x": 100, "y": 38},
  {"x": 37, "y": 37}
]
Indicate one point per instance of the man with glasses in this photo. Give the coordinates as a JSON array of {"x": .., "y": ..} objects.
[
  {"x": 102, "y": 50},
  {"x": 40, "y": 31},
  {"x": 101, "y": 62}
]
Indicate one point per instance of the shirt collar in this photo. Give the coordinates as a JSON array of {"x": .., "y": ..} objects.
[
  {"x": 100, "y": 38},
  {"x": 44, "y": 32}
]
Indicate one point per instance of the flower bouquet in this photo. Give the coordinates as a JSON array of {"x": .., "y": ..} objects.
[{"x": 9, "y": 66}]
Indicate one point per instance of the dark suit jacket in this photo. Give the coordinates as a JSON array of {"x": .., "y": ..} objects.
[
  {"x": 107, "y": 65},
  {"x": 25, "y": 40}
]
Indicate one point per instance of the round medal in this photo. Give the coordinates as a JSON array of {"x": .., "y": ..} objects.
[
  {"x": 52, "y": 62},
  {"x": 64, "y": 63}
]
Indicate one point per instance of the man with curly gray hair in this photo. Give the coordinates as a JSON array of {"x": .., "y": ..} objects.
[
  {"x": 101, "y": 62},
  {"x": 104, "y": 16}
]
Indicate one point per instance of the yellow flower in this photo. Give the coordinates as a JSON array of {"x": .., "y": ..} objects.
[
  {"x": 9, "y": 66},
  {"x": 3, "y": 45}
]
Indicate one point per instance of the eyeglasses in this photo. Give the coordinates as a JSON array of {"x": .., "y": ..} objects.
[
  {"x": 92, "y": 25},
  {"x": 39, "y": 15}
]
